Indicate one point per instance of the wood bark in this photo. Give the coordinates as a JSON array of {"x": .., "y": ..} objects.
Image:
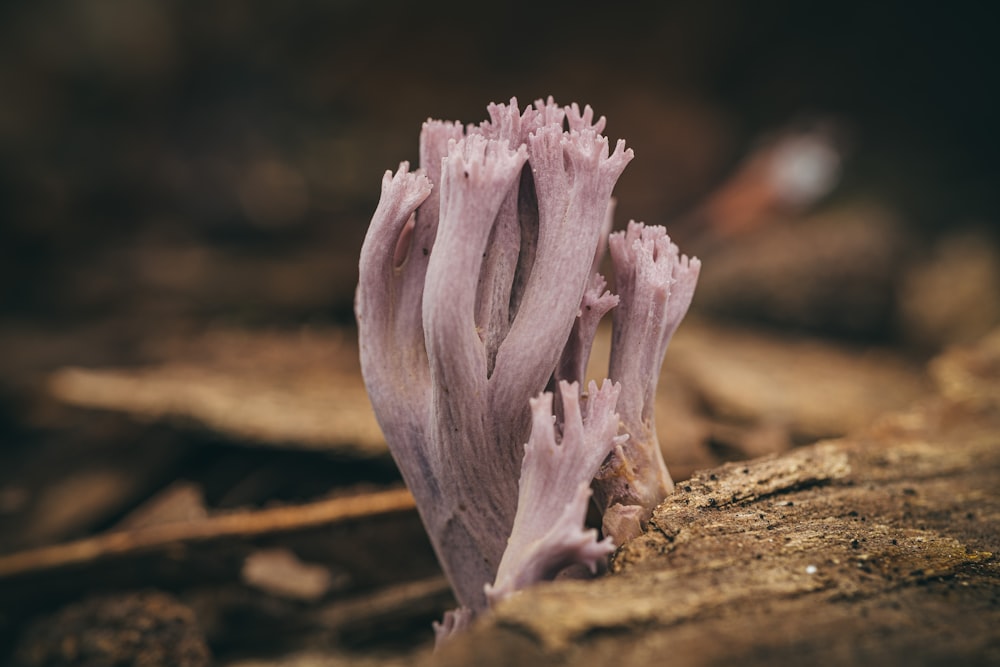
[{"x": 880, "y": 548}]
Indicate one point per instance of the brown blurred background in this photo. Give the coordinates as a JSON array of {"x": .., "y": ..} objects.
[
  {"x": 221, "y": 160},
  {"x": 169, "y": 171}
]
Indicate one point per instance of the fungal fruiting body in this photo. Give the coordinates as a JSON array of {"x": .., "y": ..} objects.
[{"x": 477, "y": 305}]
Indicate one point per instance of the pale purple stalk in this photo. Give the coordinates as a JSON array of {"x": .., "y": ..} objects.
[
  {"x": 655, "y": 284},
  {"x": 548, "y": 534}
]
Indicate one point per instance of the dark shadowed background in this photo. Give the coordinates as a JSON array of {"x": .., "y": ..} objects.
[{"x": 222, "y": 159}]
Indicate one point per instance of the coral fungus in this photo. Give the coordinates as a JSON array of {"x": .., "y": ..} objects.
[{"x": 477, "y": 306}]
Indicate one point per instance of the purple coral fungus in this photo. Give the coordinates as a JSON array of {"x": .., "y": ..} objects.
[{"x": 478, "y": 291}]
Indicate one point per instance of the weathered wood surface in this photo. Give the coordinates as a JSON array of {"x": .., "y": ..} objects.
[
  {"x": 301, "y": 388},
  {"x": 880, "y": 548}
]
